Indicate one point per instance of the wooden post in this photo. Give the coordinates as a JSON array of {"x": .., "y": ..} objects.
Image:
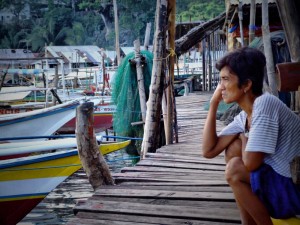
[
  {"x": 152, "y": 124},
  {"x": 55, "y": 84},
  {"x": 140, "y": 78},
  {"x": 91, "y": 159},
  {"x": 288, "y": 11},
  {"x": 273, "y": 81},
  {"x": 240, "y": 14},
  {"x": 147, "y": 36},
  {"x": 203, "y": 64},
  {"x": 117, "y": 32},
  {"x": 209, "y": 63},
  {"x": 252, "y": 21},
  {"x": 170, "y": 102}
]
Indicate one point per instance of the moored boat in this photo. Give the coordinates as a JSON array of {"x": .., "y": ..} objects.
[
  {"x": 25, "y": 181},
  {"x": 37, "y": 122},
  {"x": 103, "y": 119}
]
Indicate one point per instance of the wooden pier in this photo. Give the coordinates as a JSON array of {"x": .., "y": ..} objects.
[{"x": 175, "y": 185}]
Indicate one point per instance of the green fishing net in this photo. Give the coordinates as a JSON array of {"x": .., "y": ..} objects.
[{"x": 125, "y": 96}]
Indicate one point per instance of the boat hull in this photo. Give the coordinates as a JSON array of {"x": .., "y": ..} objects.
[
  {"x": 37, "y": 122},
  {"x": 24, "y": 182},
  {"x": 103, "y": 119},
  {"x": 13, "y": 211}
]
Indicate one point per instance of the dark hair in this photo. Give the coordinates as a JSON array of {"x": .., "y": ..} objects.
[{"x": 248, "y": 64}]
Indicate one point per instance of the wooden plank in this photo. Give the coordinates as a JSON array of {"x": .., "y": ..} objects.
[
  {"x": 176, "y": 202},
  {"x": 147, "y": 162},
  {"x": 173, "y": 181},
  {"x": 224, "y": 214},
  {"x": 168, "y": 175},
  {"x": 176, "y": 188},
  {"x": 141, "y": 182},
  {"x": 135, "y": 193},
  {"x": 165, "y": 177},
  {"x": 140, "y": 168},
  {"x": 184, "y": 158},
  {"x": 133, "y": 219}
]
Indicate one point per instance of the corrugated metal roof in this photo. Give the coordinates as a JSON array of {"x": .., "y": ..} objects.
[
  {"x": 247, "y": 2},
  {"x": 232, "y": 3},
  {"x": 75, "y": 54},
  {"x": 16, "y": 54}
]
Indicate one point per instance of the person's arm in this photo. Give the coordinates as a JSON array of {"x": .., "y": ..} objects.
[
  {"x": 252, "y": 160},
  {"x": 213, "y": 145}
]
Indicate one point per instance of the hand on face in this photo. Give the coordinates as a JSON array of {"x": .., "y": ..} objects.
[{"x": 217, "y": 96}]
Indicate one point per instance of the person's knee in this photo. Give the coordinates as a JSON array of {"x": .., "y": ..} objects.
[
  {"x": 233, "y": 150},
  {"x": 233, "y": 170}
]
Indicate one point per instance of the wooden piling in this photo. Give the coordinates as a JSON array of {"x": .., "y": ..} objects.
[
  {"x": 140, "y": 78},
  {"x": 91, "y": 159}
]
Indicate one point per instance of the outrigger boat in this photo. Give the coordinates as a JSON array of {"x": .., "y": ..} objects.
[
  {"x": 37, "y": 122},
  {"x": 26, "y": 181}
]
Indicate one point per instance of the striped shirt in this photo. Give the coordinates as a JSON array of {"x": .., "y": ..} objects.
[{"x": 275, "y": 130}]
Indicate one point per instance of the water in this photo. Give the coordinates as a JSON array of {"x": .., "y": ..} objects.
[{"x": 57, "y": 207}]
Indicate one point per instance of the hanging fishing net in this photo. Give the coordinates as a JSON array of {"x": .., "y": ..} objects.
[{"x": 126, "y": 98}]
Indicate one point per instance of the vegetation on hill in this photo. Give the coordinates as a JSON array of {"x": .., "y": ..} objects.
[{"x": 90, "y": 22}]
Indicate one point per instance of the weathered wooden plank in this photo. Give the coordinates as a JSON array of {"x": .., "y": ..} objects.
[
  {"x": 140, "y": 168},
  {"x": 166, "y": 177},
  {"x": 224, "y": 214},
  {"x": 171, "y": 183},
  {"x": 176, "y": 188},
  {"x": 100, "y": 221},
  {"x": 170, "y": 175},
  {"x": 174, "y": 180},
  {"x": 144, "y": 219},
  {"x": 147, "y": 162},
  {"x": 162, "y": 201},
  {"x": 159, "y": 194},
  {"x": 184, "y": 158}
]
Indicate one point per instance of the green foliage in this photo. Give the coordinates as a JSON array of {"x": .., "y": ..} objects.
[
  {"x": 203, "y": 10},
  {"x": 92, "y": 21}
]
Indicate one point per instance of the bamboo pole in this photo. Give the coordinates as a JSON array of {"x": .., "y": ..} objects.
[
  {"x": 140, "y": 78},
  {"x": 273, "y": 81},
  {"x": 103, "y": 72},
  {"x": 91, "y": 159},
  {"x": 117, "y": 32},
  {"x": 170, "y": 96},
  {"x": 152, "y": 124}
]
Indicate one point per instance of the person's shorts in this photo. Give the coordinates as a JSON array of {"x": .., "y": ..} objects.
[{"x": 278, "y": 193}]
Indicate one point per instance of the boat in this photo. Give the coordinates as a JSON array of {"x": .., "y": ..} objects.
[
  {"x": 37, "y": 122},
  {"x": 103, "y": 117},
  {"x": 22, "y": 148},
  {"x": 26, "y": 181},
  {"x": 103, "y": 113}
]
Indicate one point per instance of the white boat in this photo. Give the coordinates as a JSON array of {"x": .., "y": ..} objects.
[{"x": 40, "y": 122}]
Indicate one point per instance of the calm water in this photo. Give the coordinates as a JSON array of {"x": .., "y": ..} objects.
[{"x": 57, "y": 207}]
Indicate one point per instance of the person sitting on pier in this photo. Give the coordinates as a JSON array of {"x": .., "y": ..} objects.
[{"x": 259, "y": 144}]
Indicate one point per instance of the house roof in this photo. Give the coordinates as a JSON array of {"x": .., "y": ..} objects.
[
  {"x": 16, "y": 55},
  {"x": 246, "y": 2},
  {"x": 231, "y": 8},
  {"x": 77, "y": 54}
]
